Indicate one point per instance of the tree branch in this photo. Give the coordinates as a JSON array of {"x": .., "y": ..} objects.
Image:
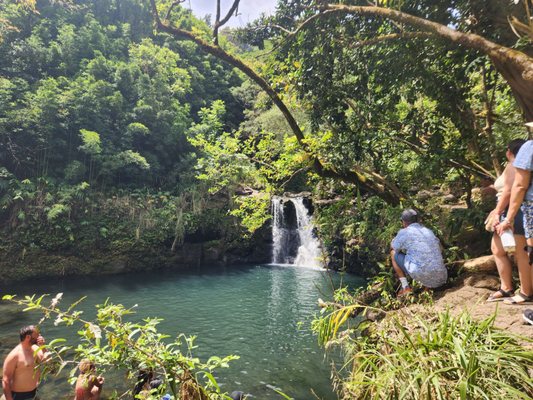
[
  {"x": 515, "y": 66},
  {"x": 392, "y": 36},
  {"x": 304, "y": 24},
  {"x": 219, "y": 23},
  {"x": 233, "y": 9},
  {"x": 365, "y": 185},
  {"x": 292, "y": 176},
  {"x": 474, "y": 168},
  {"x": 171, "y": 8}
]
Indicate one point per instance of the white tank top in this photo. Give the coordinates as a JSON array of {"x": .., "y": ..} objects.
[{"x": 499, "y": 184}]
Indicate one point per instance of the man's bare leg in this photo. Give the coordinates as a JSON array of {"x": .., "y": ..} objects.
[{"x": 400, "y": 274}]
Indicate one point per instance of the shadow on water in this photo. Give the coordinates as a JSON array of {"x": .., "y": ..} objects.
[{"x": 260, "y": 312}]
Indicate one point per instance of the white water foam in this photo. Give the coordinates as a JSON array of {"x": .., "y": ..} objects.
[{"x": 309, "y": 252}]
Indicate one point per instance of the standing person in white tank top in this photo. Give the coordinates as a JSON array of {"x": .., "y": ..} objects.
[{"x": 503, "y": 185}]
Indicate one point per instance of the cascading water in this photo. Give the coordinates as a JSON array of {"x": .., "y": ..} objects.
[{"x": 292, "y": 233}]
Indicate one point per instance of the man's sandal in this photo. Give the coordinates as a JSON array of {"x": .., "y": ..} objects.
[
  {"x": 519, "y": 298},
  {"x": 500, "y": 295}
]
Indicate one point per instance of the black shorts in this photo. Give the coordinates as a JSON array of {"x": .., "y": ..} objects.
[
  {"x": 518, "y": 223},
  {"x": 24, "y": 395}
]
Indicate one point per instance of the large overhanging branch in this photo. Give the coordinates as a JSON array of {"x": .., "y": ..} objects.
[
  {"x": 303, "y": 25},
  {"x": 365, "y": 185},
  {"x": 235, "y": 62},
  {"x": 469, "y": 40},
  {"x": 515, "y": 66},
  {"x": 385, "y": 38}
]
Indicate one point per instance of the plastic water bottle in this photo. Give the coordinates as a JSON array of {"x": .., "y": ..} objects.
[{"x": 508, "y": 241}]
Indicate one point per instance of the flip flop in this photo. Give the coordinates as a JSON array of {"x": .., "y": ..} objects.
[
  {"x": 519, "y": 298},
  {"x": 503, "y": 295}
]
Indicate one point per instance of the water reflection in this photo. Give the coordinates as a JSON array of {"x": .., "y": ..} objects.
[{"x": 253, "y": 311}]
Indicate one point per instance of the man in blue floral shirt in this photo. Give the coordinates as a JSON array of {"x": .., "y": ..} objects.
[{"x": 416, "y": 253}]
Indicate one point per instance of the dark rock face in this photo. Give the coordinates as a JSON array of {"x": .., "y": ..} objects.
[
  {"x": 308, "y": 203},
  {"x": 256, "y": 250},
  {"x": 39, "y": 263},
  {"x": 290, "y": 243},
  {"x": 289, "y": 215},
  {"x": 289, "y": 238}
]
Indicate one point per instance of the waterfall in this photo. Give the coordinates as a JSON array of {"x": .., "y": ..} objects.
[
  {"x": 277, "y": 231},
  {"x": 292, "y": 233}
]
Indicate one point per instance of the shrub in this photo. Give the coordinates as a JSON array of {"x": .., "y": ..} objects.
[{"x": 432, "y": 356}]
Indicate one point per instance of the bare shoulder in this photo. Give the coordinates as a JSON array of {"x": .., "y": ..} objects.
[
  {"x": 14, "y": 352},
  {"x": 12, "y": 356}
]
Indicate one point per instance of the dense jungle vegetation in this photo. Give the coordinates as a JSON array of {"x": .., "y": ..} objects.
[
  {"x": 97, "y": 113},
  {"x": 131, "y": 130},
  {"x": 116, "y": 137}
]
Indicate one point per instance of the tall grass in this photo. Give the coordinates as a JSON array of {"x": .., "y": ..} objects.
[{"x": 431, "y": 356}]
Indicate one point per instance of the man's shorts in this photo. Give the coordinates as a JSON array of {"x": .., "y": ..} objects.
[
  {"x": 527, "y": 209},
  {"x": 22, "y": 395},
  {"x": 399, "y": 257}
]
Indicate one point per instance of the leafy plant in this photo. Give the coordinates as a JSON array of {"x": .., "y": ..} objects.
[
  {"x": 113, "y": 341},
  {"x": 428, "y": 355}
]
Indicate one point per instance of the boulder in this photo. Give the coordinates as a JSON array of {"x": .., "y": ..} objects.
[
  {"x": 485, "y": 264},
  {"x": 423, "y": 195}
]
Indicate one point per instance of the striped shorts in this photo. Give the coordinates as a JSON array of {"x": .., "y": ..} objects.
[{"x": 527, "y": 209}]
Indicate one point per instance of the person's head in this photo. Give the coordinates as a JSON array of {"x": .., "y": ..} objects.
[
  {"x": 409, "y": 216},
  {"x": 144, "y": 376},
  {"x": 29, "y": 333},
  {"x": 513, "y": 147},
  {"x": 86, "y": 366}
]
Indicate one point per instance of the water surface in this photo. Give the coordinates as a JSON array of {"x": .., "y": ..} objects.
[{"x": 261, "y": 313}]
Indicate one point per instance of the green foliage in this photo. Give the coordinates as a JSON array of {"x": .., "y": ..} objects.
[
  {"x": 91, "y": 142},
  {"x": 128, "y": 157},
  {"x": 434, "y": 356},
  {"x": 253, "y": 211},
  {"x": 90, "y": 96},
  {"x": 114, "y": 341},
  {"x": 259, "y": 156},
  {"x": 56, "y": 210}
]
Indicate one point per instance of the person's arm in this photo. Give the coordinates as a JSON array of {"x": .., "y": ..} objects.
[
  {"x": 508, "y": 178},
  {"x": 9, "y": 369},
  {"x": 42, "y": 354},
  {"x": 99, "y": 381},
  {"x": 518, "y": 191},
  {"x": 398, "y": 242}
]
